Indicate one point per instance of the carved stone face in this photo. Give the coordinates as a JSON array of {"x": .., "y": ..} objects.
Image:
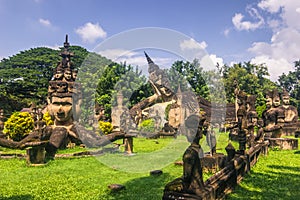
[
  {"x": 58, "y": 75},
  {"x": 285, "y": 100},
  {"x": 61, "y": 86},
  {"x": 68, "y": 75},
  {"x": 74, "y": 74},
  {"x": 276, "y": 101},
  {"x": 269, "y": 102},
  {"x": 62, "y": 109}
]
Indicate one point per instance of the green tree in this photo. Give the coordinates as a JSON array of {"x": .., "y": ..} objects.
[
  {"x": 251, "y": 79},
  {"x": 190, "y": 76},
  {"x": 25, "y": 76},
  {"x": 291, "y": 82}
]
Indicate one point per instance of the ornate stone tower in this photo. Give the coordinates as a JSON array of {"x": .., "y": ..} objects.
[{"x": 64, "y": 98}]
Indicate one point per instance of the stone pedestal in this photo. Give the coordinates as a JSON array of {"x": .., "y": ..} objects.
[
  {"x": 290, "y": 129},
  {"x": 284, "y": 143},
  {"x": 128, "y": 143},
  {"x": 35, "y": 155},
  {"x": 213, "y": 163}
]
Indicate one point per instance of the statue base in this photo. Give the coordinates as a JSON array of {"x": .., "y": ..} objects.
[
  {"x": 290, "y": 129},
  {"x": 213, "y": 163},
  {"x": 35, "y": 156},
  {"x": 283, "y": 143}
]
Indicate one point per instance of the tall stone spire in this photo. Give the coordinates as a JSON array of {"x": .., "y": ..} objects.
[{"x": 148, "y": 58}]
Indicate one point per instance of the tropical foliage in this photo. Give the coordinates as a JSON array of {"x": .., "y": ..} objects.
[
  {"x": 105, "y": 127},
  {"x": 25, "y": 76},
  {"x": 19, "y": 125}
]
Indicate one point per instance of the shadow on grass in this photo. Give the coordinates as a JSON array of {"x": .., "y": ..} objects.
[
  {"x": 284, "y": 184},
  {"x": 144, "y": 188},
  {"x": 18, "y": 197},
  {"x": 297, "y": 152}
]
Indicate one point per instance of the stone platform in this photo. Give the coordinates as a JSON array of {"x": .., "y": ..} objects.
[
  {"x": 283, "y": 143},
  {"x": 213, "y": 163}
]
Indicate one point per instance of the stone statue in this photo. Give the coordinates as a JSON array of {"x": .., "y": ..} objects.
[
  {"x": 242, "y": 121},
  {"x": 192, "y": 180},
  {"x": 252, "y": 119},
  {"x": 117, "y": 111},
  {"x": 290, "y": 112},
  {"x": 63, "y": 103},
  {"x": 161, "y": 87},
  {"x": 273, "y": 116},
  {"x": 210, "y": 137}
]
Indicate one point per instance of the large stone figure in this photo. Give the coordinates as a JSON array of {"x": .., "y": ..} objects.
[
  {"x": 273, "y": 116},
  {"x": 290, "y": 112},
  {"x": 192, "y": 180},
  {"x": 162, "y": 92},
  {"x": 242, "y": 121},
  {"x": 252, "y": 119},
  {"x": 63, "y": 104}
]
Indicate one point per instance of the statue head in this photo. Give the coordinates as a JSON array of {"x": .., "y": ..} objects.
[
  {"x": 269, "y": 100},
  {"x": 285, "y": 97},
  {"x": 68, "y": 74},
  {"x": 74, "y": 74},
  {"x": 61, "y": 109},
  {"x": 276, "y": 98},
  {"x": 58, "y": 74},
  {"x": 194, "y": 124},
  {"x": 241, "y": 98}
]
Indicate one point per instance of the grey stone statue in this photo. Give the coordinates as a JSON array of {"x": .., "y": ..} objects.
[{"x": 192, "y": 180}]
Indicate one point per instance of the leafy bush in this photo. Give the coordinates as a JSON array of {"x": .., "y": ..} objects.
[
  {"x": 47, "y": 118},
  {"x": 147, "y": 125},
  {"x": 105, "y": 127},
  {"x": 18, "y": 125},
  {"x": 260, "y": 110}
]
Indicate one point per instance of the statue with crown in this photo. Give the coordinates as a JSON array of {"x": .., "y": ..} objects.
[{"x": 63, "y": 105}]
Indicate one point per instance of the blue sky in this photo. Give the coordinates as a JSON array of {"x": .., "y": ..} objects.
[{"x": 260, "y": 31}]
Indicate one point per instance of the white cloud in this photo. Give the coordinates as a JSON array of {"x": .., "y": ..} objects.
[
  {"x": 114, "y": 54},
  {"x": 271, "y": 6},
  {"x": 135, "y": 58},
  {"x": 91, "y": 32},
  {"x": 239, "y": 24},
  {"x": 45, "y": 22},
  {"x": 54, "y": 47},
  {"x": 282, "y": 51},
  {"x": 276, "y": 66},
  {"x": 209, "y": 62},
  {"x": 192, "y": 44},
  {"x": 226, "y": 32},
  {"x": 216, "y": 60}
]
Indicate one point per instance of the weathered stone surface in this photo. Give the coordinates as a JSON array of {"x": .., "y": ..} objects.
[
  {"x": 35, "y": 155},
  {"x": 116, "y": 187},
  {"x": 213, "y": 163},
  {"x": 284, "y": 143},
  {"x": 156, "y": 172}
]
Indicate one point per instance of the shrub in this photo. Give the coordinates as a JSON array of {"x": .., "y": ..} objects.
[
  {"x": 47, "y": 118},
  {"x": 18, "y": 125},
  {"x": 147, "y": 125},
  {"x": 260, "y": 110},
  {"x": 105, "y": 127}
]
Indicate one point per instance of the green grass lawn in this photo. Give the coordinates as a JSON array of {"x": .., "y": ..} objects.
[{"x": 276, "y": 175}]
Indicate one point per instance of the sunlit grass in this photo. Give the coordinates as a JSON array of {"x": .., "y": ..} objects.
[{"x": 275, "y": 176}]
